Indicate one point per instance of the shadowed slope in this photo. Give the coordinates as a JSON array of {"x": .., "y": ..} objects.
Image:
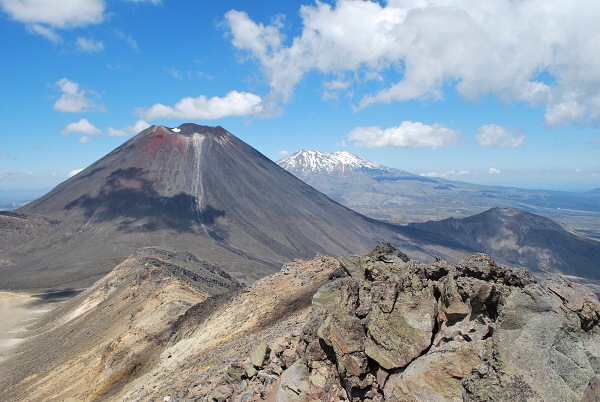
[
  {"x": 192, "y": 188},
  {"x": 525, "y": 239}
]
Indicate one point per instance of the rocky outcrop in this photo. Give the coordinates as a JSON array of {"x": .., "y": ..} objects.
[
  {"x": 393, "y": 329},
  {"x": 110, "y": 334},
  {"x": 379, "y": 327}
]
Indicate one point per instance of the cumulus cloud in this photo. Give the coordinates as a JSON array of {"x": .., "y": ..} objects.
[
  {"x": 494, "y": 135},
  {"x": 74, "y": 172},
  {"x": 407, "y": 135},
  {"x": 202, "y": 108},
  {"x": 544, "y": 54},
  {"x": 45, "y": 16},
  {"x": 135, "y": 128},
  {"x": 83, "y": 126},
  {"x": 446, "y": 173},
  {"x": 89, "y": 45},
  {"x": 494, "y": 171},
  {"x": 73, "y": 99}
]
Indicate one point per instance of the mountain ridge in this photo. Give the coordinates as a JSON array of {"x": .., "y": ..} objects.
[
  {"x": 398, "y": 196},
  {"x": 309, "y": 161},
  {"x": 191, "y": 188}
]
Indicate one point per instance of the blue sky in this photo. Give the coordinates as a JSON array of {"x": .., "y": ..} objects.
[{"x": 493, "y": 92}]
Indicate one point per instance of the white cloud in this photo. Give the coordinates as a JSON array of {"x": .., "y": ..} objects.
[
  {"x": 135, "y": 128},
  {"x": 502, "y": 48},
  {"x": 83, "y": 126},
  {"x": 73, "y": 99},
  {"x": 155, "y": 2},
  {"x": 44, "y": 16},
  {"x": 407, "y": 135},
  {"x": 333, "y": 88},
  {"x": 494, "y": 171},
  {"x": 45, "y": 32},
  {"x": 84, "y": 139},
  {"x": 433, "y": 174},
  {"x": 74, "y": 172},
  {"x": 128, "y": 39},
  {"x": 202, "y": 108},
  {"x": 446, "y": 173},
  {"x": 494, "y": 135},
  {"x": 283, "y": 152},
  {"x": 89, "y": 45},
  {"x": 567, "y": 109}
]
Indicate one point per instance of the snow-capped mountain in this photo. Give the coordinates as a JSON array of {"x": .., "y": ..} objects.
[{"x": 307, "y": 162}]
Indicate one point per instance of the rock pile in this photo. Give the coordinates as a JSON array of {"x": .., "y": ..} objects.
[{"x": 387, "y": 328}]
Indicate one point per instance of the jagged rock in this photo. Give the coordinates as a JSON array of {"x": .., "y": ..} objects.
[
  {"x": 352, "y": 265},
  {"x": 541, "y": 327},
  {"x": 386, "y": 251},
  {"x": 453, "y": 308},
  {"x": 257, "y": 356},
  {"x": 394, "y": 329},
  {"x": 221, "y": 393},
  {"x": 249, "y": 370},
  {"x": 294, "y": 386},
  {"x": 396, "y": 338},
  {"x": 235, "y": 374},
  {"x": 592, "y": 392}
]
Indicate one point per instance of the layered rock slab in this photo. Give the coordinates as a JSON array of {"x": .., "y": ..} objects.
[{"x": 393, "y": 329}]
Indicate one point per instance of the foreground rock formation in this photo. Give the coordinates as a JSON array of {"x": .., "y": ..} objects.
[
  {"x": 385, "y": 328},
  {"x": 379, "y": 327},
  {"x": 394, "y": 329}
]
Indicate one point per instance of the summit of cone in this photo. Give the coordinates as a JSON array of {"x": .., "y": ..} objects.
[{"x": 191, "y": 188}]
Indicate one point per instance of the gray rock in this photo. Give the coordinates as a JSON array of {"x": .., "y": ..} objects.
[
  {"x": 537, "y": 328},
  {"x": 294, "y": 385},
  {"x": 257, "y": 356}
]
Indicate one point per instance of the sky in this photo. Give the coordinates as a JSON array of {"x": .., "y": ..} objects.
[{"x": 501, "y": 92}]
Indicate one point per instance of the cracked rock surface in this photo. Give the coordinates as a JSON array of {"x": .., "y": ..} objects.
[{"x": 388, "y": 328}]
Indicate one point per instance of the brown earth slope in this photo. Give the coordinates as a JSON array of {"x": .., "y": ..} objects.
[
  {"x": 380, "y": 327},
  {"x": 111, "y": 333}
]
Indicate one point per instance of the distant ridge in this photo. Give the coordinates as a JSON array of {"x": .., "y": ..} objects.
[
  {"x": 525, "y": 239},
  {"x": 310, "y": 162},
  {"x": 396, "y": 195},
  {"x": 190, "y": 188}
]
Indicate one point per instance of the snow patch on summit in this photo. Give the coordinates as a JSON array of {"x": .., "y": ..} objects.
[
  {"x": 176, "y": 130},
  {"x": 308, "y": 162}
]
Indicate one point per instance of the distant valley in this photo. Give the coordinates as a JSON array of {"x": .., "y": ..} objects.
[
  {"x": 11, "y": 199},
  {"x": 398, "y": 196}
]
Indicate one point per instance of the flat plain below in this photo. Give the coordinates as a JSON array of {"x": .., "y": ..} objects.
[{"x": 18, "y": 311}]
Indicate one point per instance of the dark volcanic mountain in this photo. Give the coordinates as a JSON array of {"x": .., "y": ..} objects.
[
  {"x": 522, "y": 238},
  {"x": 193, "y": 188},
  {"x": 399, "y": 196}
]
